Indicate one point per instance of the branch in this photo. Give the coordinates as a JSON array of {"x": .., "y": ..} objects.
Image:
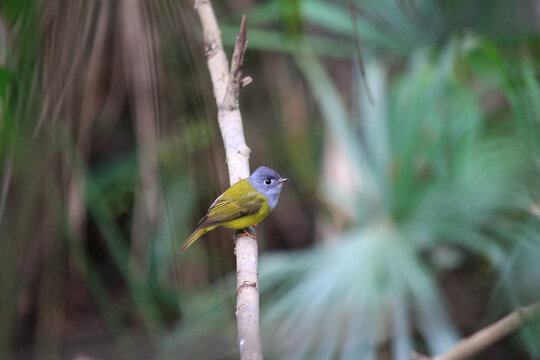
[
  {"x": 487, "y": 336},
  {"x": 226, "y": 86},
  {"x": 230, "y": 101}
]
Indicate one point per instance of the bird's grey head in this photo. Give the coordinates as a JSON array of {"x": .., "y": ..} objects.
[{"x": 269, "y": 183}]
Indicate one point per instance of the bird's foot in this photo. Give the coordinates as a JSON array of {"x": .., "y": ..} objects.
[{"x": 246, "y": 232}]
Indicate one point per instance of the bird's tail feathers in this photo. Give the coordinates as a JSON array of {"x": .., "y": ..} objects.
[{"x": 193, "y": 237}]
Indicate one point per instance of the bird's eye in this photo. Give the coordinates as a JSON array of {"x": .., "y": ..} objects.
[{"x": 267, "y": 181}]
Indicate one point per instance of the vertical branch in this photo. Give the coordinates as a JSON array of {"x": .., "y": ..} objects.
[
  {"x": 227, "y": 84},
  {"x": 229, "y": 117}
]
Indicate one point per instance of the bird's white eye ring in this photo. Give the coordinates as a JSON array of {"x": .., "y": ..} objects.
[{"x": 267, "y": 181}]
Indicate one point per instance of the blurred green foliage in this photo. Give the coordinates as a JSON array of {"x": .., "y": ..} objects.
[{"x": 432, "y": 176}]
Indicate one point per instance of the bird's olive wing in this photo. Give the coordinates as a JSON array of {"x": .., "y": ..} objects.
[{"x": 232, "y": 205}]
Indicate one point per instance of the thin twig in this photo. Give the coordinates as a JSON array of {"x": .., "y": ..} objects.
[
  {"x": 487, "y": 336},
  {"x": 227, "y": 84},
  {"x": 230, "y": 101}
]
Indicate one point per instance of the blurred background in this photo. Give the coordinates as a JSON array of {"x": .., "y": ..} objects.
[{"x": 409, "y": 130}]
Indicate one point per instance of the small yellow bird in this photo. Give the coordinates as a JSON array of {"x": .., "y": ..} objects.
[{"x": 244, "y": 204}]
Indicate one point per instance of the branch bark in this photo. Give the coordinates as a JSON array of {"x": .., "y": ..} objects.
[
  {"x": 487, "y": 336},
  {"x": 227, "y": 84}
]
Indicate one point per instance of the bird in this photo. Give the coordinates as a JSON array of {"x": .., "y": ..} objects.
[{"x": 244, "y": 204}]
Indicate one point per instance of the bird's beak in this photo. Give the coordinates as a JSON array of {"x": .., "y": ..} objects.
[{"x": 282, "y": 180}]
